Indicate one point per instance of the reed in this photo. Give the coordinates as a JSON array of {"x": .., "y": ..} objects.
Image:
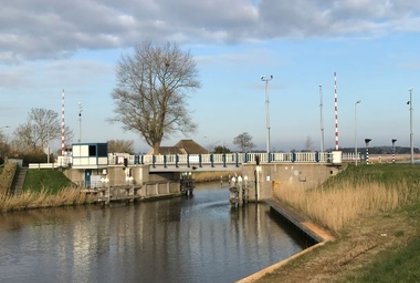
[
  {"x": 6, "y": 177},
  {"x": 346, "y": 199},
  {"x": 43, "y": 199},
  {"x": 213, "y": 176}
]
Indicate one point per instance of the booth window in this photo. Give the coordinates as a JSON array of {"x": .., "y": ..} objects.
[{"x": 92, "y": 150}]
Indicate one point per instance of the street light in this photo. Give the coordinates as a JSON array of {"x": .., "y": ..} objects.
[
  {"x": 367, "y": 141},
  {"x": 80, "y": 121},
  {"x": 321, "y": 120},
  {"x": 266, "y": 79},
  {"x": 393, "y": 149},
  {"x": 410, "y": 102},
  {"x": 355, "y": 130}
]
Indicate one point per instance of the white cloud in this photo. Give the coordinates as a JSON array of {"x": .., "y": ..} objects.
[{"x": 53, "y": 29}]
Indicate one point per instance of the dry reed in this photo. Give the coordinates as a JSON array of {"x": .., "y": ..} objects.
[
  {"x": 335, "y": 207},
  {"x": 31, "y": 199}
]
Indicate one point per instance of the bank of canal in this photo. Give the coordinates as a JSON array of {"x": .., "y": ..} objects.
[{"x": 198, "y": 239}]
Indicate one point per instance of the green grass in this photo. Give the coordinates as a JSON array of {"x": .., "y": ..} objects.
[
  {"x": 388, "y": 174},
  {"x": 393, "y": 265},
  {"x": 45, "y": 179},
  {"x": 401, "y": 265}
]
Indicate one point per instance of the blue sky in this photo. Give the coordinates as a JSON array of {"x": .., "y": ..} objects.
[{"x": 47, "y": 46}]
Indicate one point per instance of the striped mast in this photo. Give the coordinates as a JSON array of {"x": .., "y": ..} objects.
[
  {"x": 336, "y": 111},
  {"x": 62, "y": 124}
]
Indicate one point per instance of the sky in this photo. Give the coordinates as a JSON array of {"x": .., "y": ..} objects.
[{"x": 47, "y": 46}]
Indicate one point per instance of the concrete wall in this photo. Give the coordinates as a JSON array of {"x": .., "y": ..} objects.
[
  {"x": 287, "y": 175},
  {"x": 140, "y": 174}
]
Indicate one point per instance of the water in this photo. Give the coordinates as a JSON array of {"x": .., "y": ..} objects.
[{"x": 198, "y": 239}]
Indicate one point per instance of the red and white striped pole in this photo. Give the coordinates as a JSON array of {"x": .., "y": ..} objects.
[
  {"x": 336, "y": 111},
  {"x": 62, "y": 124}
]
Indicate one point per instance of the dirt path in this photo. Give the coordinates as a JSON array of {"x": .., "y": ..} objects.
[{"x": 355, "y": 247}]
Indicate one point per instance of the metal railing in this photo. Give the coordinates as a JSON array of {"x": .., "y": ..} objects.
[
  {"x": 209, "y": 160},
  {"x": 224, "y": 159}
]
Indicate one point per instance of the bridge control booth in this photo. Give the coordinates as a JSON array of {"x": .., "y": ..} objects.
[{"x": 91, "y": 160}]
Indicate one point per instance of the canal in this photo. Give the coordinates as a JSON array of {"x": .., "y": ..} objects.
[{"x": 196, "y": 239}]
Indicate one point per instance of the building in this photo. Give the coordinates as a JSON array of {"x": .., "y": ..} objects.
[{"x": 182, "y": 147}]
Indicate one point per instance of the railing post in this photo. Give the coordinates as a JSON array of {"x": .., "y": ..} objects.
[
  {"x": 237, "y": 159},
  {"x": 164, "y": 161},
  {"x": 293, "y": 156},
  {"x": 176, "y": 160},
  {"x": 142, "y": 159},
  {"x": 246, "y": 157},
  {"x": 199, "y": 160},
  {"x": 154, "y": 161},
  {"x": 269, "y": 157},
  {"x": 316, "y": 156},
  {"x": 212, "y": 160},
  {"x": 224, "y": 159},
  {"x": 188, "y": 160}
]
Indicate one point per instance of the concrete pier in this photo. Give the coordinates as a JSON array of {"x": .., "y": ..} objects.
[{"x": 131, "y": 193}]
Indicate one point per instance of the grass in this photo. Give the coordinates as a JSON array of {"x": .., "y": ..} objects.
[
  {"x": 400, "y": 265},
  {"x": 44, "y": 188},
  {"x": 47, "y": 180},
  {"x": 354, "y": 193},
  {"x": 375, "y": 212}
]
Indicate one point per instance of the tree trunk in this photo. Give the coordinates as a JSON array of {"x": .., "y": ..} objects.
[{"x": 156, "y": 147}]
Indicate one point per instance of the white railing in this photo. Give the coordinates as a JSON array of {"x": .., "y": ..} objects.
[
  {"x": 230, "y": 158},
  {"x": 45, "y": 165},
  {"x": 201, "y": 160}
]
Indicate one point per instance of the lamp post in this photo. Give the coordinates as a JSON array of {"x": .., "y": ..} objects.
[
  {"x": 367, "y": 141},
  {"x": 80, "y": 122},
  {"x": 393, "y": 149},
  {"x": 410, "y": 102},
  {"x": 355, "y": 131},
  {"x": 321, "y": 120},
  {"x": 266, "y": 79}
]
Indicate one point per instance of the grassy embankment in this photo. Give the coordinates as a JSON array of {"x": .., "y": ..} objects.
[
  {"x": 43, "y": 188},
  {"x": 374, "y": 212}
]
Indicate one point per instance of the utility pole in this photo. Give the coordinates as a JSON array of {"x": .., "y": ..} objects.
[
  {"x": 62, "y": 125},
  {"x": 266, "y": 79},
  {"x": 355, "y": 131}
]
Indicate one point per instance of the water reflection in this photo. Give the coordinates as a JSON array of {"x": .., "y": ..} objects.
[{"x": 200, "y": 239}]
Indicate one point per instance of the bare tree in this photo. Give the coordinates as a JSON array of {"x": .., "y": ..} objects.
[
  {"x": 42, "y": 127},
  {"x": 244, "y": 141},
  {"x": 4, "y": 146},
  {"x": 121, "y": 146},
  {"x": 152, "y": 87}
]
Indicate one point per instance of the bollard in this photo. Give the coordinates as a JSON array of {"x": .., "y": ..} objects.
[{"x": 240, "y": 196}]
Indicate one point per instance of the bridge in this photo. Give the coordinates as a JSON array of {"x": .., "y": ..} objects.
[
  {"x": 220, "y": 162},
  {"x": 153, "y": 175}
]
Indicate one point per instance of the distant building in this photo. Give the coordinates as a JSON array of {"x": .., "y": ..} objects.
[{"x": 182, "y": 147}]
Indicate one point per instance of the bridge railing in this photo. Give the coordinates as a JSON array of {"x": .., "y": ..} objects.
[{"x": 228, "y": 159}]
